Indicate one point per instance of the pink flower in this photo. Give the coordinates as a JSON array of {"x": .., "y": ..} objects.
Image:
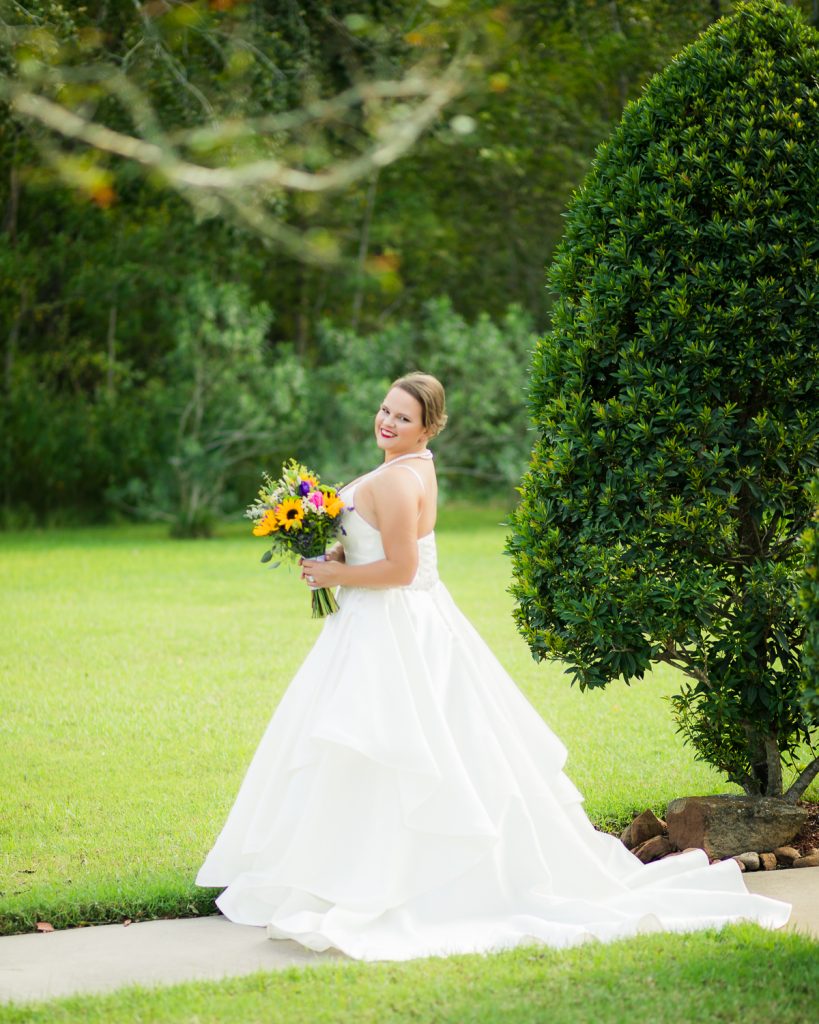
[{"x": 316, "y": 498}]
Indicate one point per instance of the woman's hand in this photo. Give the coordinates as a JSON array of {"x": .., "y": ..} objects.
[
  {"x": 321, "y": 574},
  {"x": 336, "y": 553}
]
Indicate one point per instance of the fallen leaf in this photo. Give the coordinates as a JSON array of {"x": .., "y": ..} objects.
[
  {"x": 44, "y": 926},
  {"x": 126, "y": 922}
]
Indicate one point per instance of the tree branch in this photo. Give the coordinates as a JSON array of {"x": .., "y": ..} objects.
[
  {"x": 687, "y": 667},
  {"x": 802, "y": 782},
  {"x": 177, "y": 71},
  {"x": 397, "y": 136}
]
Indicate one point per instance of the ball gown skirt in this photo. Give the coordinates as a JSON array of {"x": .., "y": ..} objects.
[{"x": 406, "y": 800}]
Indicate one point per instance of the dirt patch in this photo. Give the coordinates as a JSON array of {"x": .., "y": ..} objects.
[{"x": 808, "y": 836}]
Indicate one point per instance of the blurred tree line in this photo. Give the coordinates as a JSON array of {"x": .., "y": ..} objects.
[{"x": 160, "y": 346}]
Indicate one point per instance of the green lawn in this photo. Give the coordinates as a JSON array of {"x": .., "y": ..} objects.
[
  {"x": 138, "y": 674},
  {"x": 740, "y": 974}
]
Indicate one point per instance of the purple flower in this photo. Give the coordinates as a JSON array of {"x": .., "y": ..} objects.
[{"x": 304, "y": 488}]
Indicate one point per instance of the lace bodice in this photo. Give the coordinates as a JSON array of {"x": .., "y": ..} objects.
[{"x": 362, "y": 541}]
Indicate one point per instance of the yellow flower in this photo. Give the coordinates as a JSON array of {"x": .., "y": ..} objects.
[
  {"x": 333, "y": 505},
  {"x": 267, "y": 524},
  {"x": 310, "y": 478},
  {"x": 290, "y": 514}
]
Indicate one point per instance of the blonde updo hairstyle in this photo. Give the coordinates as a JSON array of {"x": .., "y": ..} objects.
[{"x": 429, "y": 393}]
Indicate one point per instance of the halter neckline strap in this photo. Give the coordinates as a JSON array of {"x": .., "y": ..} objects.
[{"x": 425, "y": 453}]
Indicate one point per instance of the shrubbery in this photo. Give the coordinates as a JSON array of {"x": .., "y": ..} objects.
[
  {"x": 217, "y": 406},
  {"x": 187, "y": 444},
  {"x": 483, "y": 366},
  {"x": 809, "y": 603},
  {"x": 675, "y": 398}
]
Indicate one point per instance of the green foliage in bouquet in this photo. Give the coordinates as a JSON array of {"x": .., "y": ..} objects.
[{"x": 675, "y": 400}]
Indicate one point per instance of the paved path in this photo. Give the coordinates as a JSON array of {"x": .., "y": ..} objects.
[
  {"x": 105, "y": 957},
  {"x": 46, "y": 965}
]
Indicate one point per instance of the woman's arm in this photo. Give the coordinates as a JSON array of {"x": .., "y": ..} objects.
[{"x": 395, "y": 499}]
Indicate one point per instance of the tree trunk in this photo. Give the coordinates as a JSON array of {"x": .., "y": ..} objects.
[
  {"x": 10, "y": 219},
  {"x": 111, "y": 350},
  {"x": 11, "y": 345},
  {"x": 774, "y": 772},
  {"x": 303, "y": 314},
  {"x": 363, "y": 246}
]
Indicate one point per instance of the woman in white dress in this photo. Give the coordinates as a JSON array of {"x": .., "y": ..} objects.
[{"x": 406, "y": 800}]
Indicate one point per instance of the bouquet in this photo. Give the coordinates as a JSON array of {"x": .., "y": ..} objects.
[{"x": 301, "y": 516}]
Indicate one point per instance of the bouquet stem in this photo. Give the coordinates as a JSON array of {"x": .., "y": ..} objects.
[
  {"x": 324, "y": 603},
  {"x": 324, "y": 600}
]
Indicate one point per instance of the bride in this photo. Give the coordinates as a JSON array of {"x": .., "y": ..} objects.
[{"x": 406, "y": 800}]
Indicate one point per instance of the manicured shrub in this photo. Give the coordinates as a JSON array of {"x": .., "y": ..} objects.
[
  {"x": 809, "y": 603},
  {"x": 676, "y": 399}
]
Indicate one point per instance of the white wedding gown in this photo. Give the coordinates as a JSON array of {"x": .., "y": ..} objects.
[{"x": 406, "y": 800}]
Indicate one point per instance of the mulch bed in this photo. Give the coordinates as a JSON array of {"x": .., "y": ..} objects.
[{"x": 809, "y": 835}]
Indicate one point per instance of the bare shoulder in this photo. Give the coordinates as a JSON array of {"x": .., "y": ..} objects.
[{"x": 394, "y": 485}]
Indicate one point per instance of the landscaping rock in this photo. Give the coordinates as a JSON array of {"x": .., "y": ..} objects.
[
  {"x": 811, "y": 861},
  {"x": 740, "y": 862},
  {"x": 727, "y": 825},
  {"x": 767, "y": 861},
  {"x": 749, "y": 860},
  {"x": 786, "y": 855},
  {"x": 645, "y": 826},
  {"x": 652, "y": 849}
]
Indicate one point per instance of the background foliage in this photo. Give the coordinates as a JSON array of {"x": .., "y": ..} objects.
[
  {"x": 809, "y": 601},
  {"x": 98, "y": 261}
]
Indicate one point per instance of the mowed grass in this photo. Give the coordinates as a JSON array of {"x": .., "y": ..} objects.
[
  {"x": 742, "y": 973},
  {"x": 138, "y": 674}
]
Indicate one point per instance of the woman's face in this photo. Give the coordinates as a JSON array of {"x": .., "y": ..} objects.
[{"x": 398, "y": 426}]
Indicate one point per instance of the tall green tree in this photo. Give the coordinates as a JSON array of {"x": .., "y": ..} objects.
[
  {"x": 809, "y": 605},
  {"x": 676, "y": 399}
]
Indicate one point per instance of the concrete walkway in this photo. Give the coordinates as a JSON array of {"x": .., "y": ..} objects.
[{"x": 46, "y": 965}]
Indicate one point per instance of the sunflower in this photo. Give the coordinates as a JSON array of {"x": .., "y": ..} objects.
[
  {"x": 290, "y": 513},
  {"x": 333, "y": 505},
  {"x": 267, "y": 524}
]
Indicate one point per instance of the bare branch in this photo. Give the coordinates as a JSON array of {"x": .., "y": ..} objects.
[
  {"x": 397, "y": 136},
  {"x": 803, "y": 781},
  {"x": 272, "y": 229},
  {"x": 176, "y": 69},
  {"x": 687, "y": 667}
]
